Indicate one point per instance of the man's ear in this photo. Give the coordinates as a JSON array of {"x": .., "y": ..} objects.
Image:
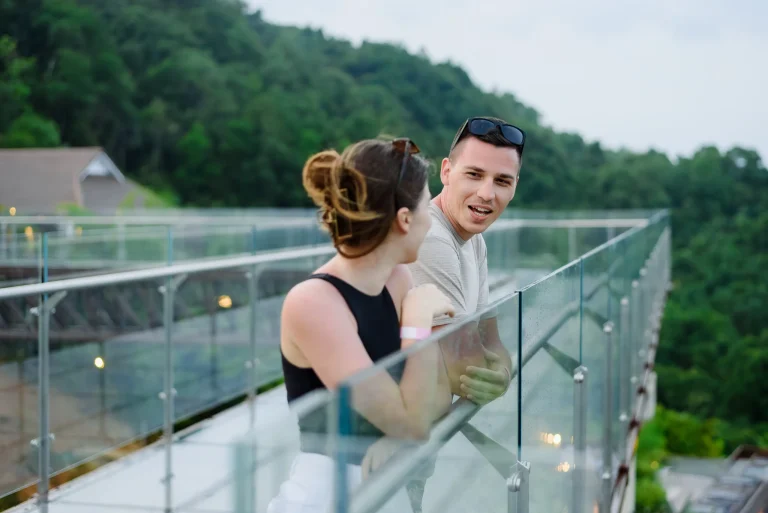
[{"x": 445, "y": 171}]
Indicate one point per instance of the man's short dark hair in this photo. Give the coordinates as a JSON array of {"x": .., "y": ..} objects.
[{"x": 494, "y": 137}]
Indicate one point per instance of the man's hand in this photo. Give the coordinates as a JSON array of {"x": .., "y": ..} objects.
[{"x": 483, "y": 385}]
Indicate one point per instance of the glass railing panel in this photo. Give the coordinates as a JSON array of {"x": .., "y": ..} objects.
[
  {"x": 107, "y": 362},
  {"x": 190, "y": 243},
  {"x": 211, "y": 342},
  {"x": 18, "y": 249},
  {"x": 544, "y": 247},
  {"x": 551, "y": 328},
  {"x": 477, "y": 461},
  {"x": 428, "y": 452},
  {"x": 601, "y": 356},
  {"x": 19, "y": 411},
  {"x": 286, "y": 461},
  {"x": 214, "y": 335},
  {"x": 108, "y": 248}
]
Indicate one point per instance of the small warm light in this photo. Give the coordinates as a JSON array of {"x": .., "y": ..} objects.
[
  {"x": 12, "y": 211},
  {"x": 99, "y": 362},
  {"x": 558, "y": 439},
  {"x": 564, "y": 467},
  {"x": 550, "y": 438},
  {"x": 225, "y": 301},
  {"x": 29, "y": 232}
]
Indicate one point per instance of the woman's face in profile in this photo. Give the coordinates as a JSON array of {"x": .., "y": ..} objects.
[{"x": 419, "y": 227}]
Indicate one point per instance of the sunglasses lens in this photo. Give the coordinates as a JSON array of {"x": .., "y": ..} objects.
[
  {"x": 513, "y": 135},
  {"x": 481, "y": 126}
]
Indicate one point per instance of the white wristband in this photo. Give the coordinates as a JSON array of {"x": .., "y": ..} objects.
[{"x": 410, "y": 332}]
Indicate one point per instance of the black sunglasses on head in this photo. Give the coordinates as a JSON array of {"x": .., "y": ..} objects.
[
  {"x": 408, "y": 148},
  {"x": 484, "y": 126}
]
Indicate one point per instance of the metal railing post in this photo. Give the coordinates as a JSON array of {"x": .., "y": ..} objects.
[
  {"x": 624, "y": 373},
  {"x": 580, "y": 395},
  {"x": 635, "y": 335},
  {"x": 607, "y": 419},
  {"x": 43, "y": 442},
  {"x": 252, "y": 363},
  {"x": 169, "y": 392},
  {"x": 517, "y": 488},
  {"x": 45, "y": 437}
]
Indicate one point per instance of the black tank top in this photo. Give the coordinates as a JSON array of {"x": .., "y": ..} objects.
[{"x": 379, "y": 329}]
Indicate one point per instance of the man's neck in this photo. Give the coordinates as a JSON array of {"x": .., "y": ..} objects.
[{"x": 464, "y": 235}]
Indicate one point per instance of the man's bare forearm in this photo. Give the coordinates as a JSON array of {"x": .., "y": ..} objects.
[{"x": 489, "y": 336}]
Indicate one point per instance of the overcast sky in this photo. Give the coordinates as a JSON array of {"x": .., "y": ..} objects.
[{"x": 665, "y": 74}]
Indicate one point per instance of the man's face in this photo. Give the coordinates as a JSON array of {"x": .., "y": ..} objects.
[{"x": 478, "y": 185}]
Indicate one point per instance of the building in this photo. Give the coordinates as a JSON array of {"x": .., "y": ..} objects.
[{"x": 45, "y": 180}]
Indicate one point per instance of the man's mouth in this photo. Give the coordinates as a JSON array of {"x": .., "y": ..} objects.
[{"x": 480, "y": 211}]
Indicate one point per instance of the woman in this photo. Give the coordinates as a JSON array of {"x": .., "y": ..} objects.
[{"x": 361, "y": 306}]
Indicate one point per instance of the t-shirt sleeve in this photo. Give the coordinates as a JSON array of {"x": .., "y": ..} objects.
[{"x": 438, "y": 263}]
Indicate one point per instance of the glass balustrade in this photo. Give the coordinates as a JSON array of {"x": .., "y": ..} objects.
[{"x": 123, "y": 359}]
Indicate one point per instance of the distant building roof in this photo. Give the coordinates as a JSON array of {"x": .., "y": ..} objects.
[{"x": 36, "y": 181}]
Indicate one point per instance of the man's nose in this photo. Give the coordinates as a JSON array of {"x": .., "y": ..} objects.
[{"x": 486, "y": 192}]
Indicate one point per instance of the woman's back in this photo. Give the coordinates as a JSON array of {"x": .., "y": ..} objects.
[{"x": 377, "y": 325}]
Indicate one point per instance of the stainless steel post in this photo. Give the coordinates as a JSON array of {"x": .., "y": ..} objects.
[
  {"x": 580, "y": 395},
  {"x": 607, "y": 417},
  {"x": 635, "y": 335},
  {"x": 45, "y": 437},
  {"x": 43, "y": 442},
  {"x": 169, "y": 392},
  {"x": 643, "y": 306},
  {"x": 517, "y": 488},
  {"x": 624, "y": 374},
  {"x": 252, "y": 363}
]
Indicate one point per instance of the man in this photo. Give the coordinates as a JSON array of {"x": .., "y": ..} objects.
[{"x": 479, "y": 179}]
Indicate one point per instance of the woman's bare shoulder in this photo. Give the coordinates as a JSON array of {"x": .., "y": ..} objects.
[{"x": 313, "y": 293}]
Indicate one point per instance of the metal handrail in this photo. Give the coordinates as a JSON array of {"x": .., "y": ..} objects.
[
  {"x": 157, "y": 220},
  {"x": 164, "y": 272},
  {"x": 294, "y": 221}
]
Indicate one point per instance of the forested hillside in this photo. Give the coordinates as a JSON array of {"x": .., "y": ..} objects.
[{"x": 214, "y": 107}]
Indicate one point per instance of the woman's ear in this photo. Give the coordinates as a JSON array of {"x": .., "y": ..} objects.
[{"x": 403, "y": 220}]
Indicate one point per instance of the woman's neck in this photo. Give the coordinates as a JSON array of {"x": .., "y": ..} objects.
[{"x": 369, "y": 273}]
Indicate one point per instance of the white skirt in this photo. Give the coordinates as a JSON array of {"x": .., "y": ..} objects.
[{"x": 309, "y": 488}]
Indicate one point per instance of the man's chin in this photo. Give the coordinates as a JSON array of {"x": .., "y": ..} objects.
[{"x": 474, "y": 228}]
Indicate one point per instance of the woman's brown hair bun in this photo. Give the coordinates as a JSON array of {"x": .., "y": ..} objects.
[{"x": 355, "y": 191}]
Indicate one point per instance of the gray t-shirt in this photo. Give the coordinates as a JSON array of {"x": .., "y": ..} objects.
[{"x": 457, "y": 267}]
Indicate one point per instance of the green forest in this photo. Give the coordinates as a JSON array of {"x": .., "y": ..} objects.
[{"x": 211, "y": 106}]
